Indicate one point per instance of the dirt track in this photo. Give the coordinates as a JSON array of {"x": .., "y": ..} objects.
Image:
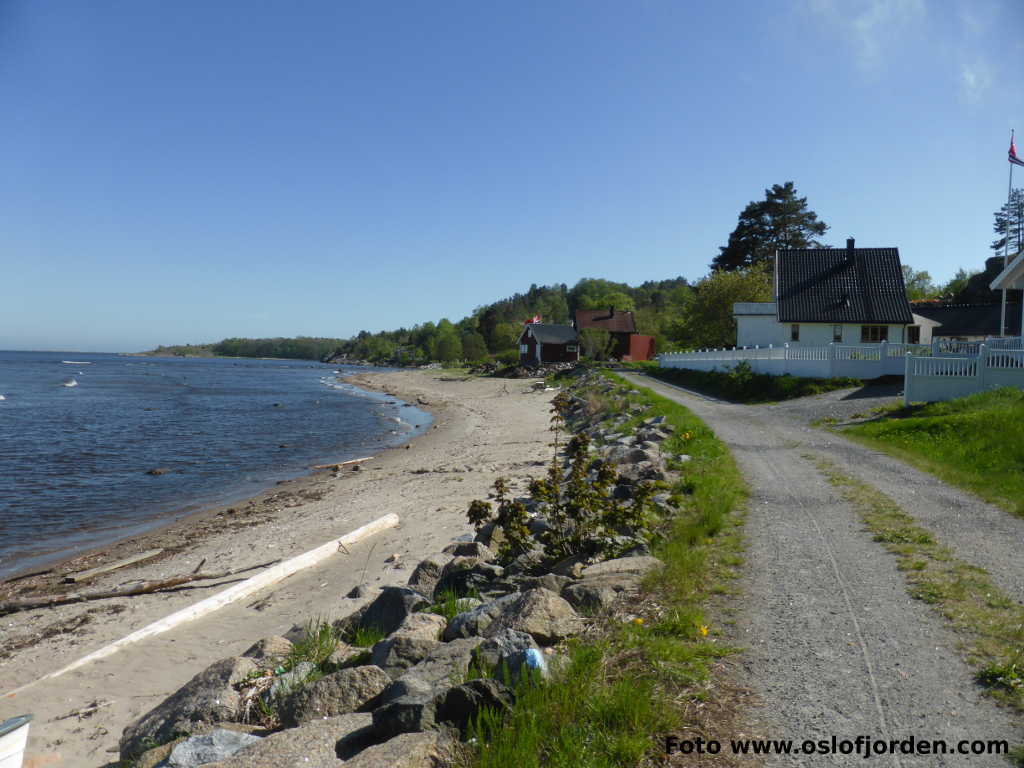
[{"x": 834, "y": 645}]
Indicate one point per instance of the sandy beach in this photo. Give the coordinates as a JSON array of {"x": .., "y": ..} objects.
[{"x": 484, "y": 428}]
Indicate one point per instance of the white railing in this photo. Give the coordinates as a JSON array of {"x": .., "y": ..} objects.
[
  {"x": 860, "y": 361},
  {"x": 929, "y": 379}
]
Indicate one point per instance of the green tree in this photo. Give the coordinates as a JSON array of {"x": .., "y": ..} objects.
[
  {"x": 918, "y": 285},
  {"x": 781, "y": 220},
  {"x": 473, "y": 346},
  {"x": 707, "y": 320},
  {"x": 1009, "y": 223},
  {"x": 596, "y": 343},
  {"x": 956, "y": 285}
]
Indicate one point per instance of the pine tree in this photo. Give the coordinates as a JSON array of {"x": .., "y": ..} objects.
[
  {"x": 781, "y": 220},
  {"x": 1009, "y": 221}
]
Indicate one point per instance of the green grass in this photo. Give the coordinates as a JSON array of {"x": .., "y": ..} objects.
[
  {"x": 974, "y": 442},
  {"x": 623, "y": 686},
  {"x": 744, "y": 386},
  {"x": 989, "y": 623}
]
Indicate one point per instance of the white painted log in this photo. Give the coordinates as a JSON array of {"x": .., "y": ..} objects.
[{"x": 231, "y": 594}]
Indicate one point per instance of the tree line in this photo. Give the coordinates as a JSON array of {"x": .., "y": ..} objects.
[{"x": 677, "y": 313}]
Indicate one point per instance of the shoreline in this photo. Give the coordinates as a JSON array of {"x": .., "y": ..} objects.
[
  {"x": 482, "y": 430},
  {"x": 66, "y": 560}
]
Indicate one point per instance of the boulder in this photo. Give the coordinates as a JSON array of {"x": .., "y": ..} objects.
[
  {"x": 491, "y": 535},
  {"x": 209, "y": 697},
  {"x": 406, "y": 714},
  {"x": 640, "y": 565},
  {"x": 461, "y": 704},
  {"x": 538, "y": 612},
  {"x": 465, "y": 575},
  {"x": 406, "y": 685},
  {"x": 409, "y": 750},
  {"x": 338, "y": 693},
  {"x": 427, "y": 573},
  {"x": 508, "y": 653},
  {"x": 416, "y": 636},
  {"x": 314, "y": 745},
  {"x": 219, "y": 744},
  {"x": 475, "y": 549},
  {"x": 447, "y": 662},
  {"x": 551, "y": 581},
  {"x": 473, "y": 622},
  {"x": 270, "y": 649},
  {"x": 391, "y": 607},
  {"x": 597, "y": 595}
]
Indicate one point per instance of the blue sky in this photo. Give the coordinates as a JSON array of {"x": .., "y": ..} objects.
[{"x": 188, "y": 171}]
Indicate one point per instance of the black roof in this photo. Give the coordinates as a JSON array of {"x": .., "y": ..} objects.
[
  {"x": 840, "y": 285},
  {"x": 553, "y": 334},
  {"x": 968, "y": 319}
]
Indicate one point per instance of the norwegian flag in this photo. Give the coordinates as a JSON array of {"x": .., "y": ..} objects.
[
  {"x": 536, "y": 318},
  {"x": 1012, "y": 154}
]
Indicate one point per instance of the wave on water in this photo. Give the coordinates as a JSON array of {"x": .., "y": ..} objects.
[{"x": 70, "y": 382}]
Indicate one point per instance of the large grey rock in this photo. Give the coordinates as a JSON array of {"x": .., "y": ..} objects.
[
  {"x": 338, "y": 693},
  {"x": 426, "y": 574},
  {"x": 391, "y": 607},
  {"x": 447, "y": 664},
  {"x": 465, "y": 575},
  {"x": 540, "y": 613},
  {"x": 408, "y": 645},
  {"x": 640, "y": 565},
  {"x": 473, "y": 622},
  {"x": 409, "y": 750},
  {"x": 598, "y": 594},
  {"x": 314, "y": 745},
  {"x": 628, "y": 454},
  {"x": 508, "y": 653},
  {"x": 209, "y": 697},
  {"x": 461, "y": 704},
  {"x": 406, "y": 685},
  {"x": 406, "y": 714},
  {"x": 475, "y": 549},
  {"x": 270, "y": 649},
  {"x": 219, "y": 744}
]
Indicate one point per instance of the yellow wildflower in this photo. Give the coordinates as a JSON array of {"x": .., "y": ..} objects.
[{"x": 703, "y": 630}]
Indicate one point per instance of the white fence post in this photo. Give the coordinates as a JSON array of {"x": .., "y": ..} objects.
[
  {"x": 907, "y": 378},
  {"x": 883, "y": 354},
  {"x": 935, "y": 347},
  {"x": 982, "y": 367},
  {"x": 831, "y": 359}
]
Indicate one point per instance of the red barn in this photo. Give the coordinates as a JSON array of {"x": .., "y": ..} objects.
[{"x": 628, "y": 344}]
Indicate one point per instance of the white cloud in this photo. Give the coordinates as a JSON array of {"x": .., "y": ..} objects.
[{"x": 871, "y": 26}]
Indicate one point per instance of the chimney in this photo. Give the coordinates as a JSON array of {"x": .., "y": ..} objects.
[{"x": 849, "y": 244}]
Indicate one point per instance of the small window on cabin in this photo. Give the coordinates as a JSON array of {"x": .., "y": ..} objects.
[
  {"x": 874, "y": 334},
  {"x": 571, "y": 348},
  {"x": 523, "y": 349},
  {"x": 913, "y": 334},
  {"x": 794, "y": 332},
  {"x": 837, "y": 333}
]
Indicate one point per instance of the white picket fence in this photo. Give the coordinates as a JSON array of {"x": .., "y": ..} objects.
[
  {"x": 942, "y": 370},
  {"x": 860, "y": 361},
  {"x": 929, "y": 379}
]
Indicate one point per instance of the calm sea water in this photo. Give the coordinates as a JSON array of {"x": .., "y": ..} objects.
[{"x": 74, "y": 459}]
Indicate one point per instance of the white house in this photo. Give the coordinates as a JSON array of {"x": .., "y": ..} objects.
[
  {"x": 1009, "y": 279},
  {"x": 843, "y": 295}
]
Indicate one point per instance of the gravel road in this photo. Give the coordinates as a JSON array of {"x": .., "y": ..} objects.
[{"x": 834, "y": 645}]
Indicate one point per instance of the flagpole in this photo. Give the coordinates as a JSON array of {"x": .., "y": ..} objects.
[{"x": 1006, "y": 245}]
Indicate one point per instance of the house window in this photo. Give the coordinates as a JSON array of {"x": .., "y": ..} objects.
[
  {"x": 837, "y": 333},
  {"x": 873, "y": 334},
  {"x": 571, "y": 348},
  {"x": 523, "y": 349},
  {"x": 794, "y": 332},
  {"x": 913, "y": 334}
]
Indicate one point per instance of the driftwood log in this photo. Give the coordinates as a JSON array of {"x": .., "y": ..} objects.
[{"x": 128, "y": 589}]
